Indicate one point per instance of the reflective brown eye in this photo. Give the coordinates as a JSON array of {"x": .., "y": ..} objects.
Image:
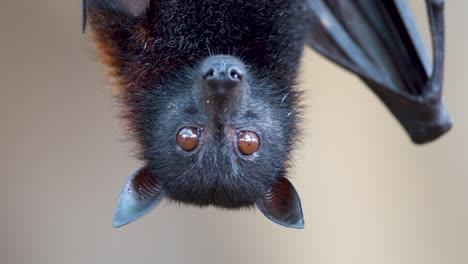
[
  {"x": 188, "y": 138},
  {"x": 248, "y": 142}
]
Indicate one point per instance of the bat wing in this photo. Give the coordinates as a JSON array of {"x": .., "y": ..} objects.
[
  {"x": 379, "y": 41},
  {"x": 128, "y": 7}
]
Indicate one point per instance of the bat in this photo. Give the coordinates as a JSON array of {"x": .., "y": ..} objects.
[{"x": 208, "y": 90}]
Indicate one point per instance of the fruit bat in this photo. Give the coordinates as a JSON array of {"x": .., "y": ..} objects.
[{"x": 208, "y": 89}]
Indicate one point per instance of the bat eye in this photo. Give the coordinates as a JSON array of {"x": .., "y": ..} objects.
[
  {"x": 248, "y": 142},
  {"x": 188, "y": 138}
]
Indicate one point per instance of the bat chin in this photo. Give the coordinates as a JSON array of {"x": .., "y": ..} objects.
[{"x": 143, "y": 191}]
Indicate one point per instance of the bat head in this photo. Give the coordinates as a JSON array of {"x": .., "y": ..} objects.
[
  {"x": 215, "y": 135},
  {"x": 209, "y": 93}
]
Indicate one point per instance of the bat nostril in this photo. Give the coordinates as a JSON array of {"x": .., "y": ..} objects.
[
  {"x": 222, "y": 76},
  {"x": 235, "y": 74},
  {"x": 221, "y": 73},
  {"x": 209, "y": 73}
]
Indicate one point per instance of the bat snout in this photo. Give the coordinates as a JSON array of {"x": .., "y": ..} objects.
[{"x": 223, "y": 76}]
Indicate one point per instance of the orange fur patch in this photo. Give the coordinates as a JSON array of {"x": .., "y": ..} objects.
[{"x": 107, "y": 55}]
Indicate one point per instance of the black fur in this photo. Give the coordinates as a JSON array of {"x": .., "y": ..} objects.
[{"x": 155, "y": 56}]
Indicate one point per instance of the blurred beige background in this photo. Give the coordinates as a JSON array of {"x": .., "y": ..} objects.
[{"x": 369, "y": 195}]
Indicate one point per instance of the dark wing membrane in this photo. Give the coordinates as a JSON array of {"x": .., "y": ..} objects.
[
  {"x": 129, "y": 7},
  {"x": 84, "y": 14},
  {"x": 378, "y": 41}
]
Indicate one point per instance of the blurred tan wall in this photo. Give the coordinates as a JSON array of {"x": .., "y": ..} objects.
[{"x": 369, "y": 195}]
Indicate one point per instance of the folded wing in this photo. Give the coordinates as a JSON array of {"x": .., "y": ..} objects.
[{"x": 379, "y": 41}]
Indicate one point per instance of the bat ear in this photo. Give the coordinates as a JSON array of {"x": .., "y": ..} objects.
[
  {"x": 141, "y": 193},
  {"x": 281, "y": 204}
]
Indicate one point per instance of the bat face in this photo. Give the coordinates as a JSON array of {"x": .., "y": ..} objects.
[
  {"x": 208, "y": 92},
  {"x": 215, "y": 135}
]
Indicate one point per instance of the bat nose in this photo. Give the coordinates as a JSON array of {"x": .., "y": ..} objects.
[
  {"x": 223, "y": 85},
  {"x": 222, "y": 74}
]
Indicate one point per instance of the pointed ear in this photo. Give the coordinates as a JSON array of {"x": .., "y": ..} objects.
[
  {"x": 141, "y": 193},
  {"x": 281, "y": 204}
]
